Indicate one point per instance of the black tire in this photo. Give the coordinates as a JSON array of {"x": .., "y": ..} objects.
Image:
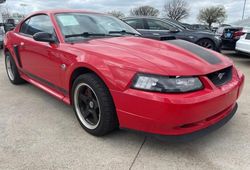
[
  {"x": 207, "y": 43},
  {"x": 94, "y": 90},
  {"x": 12, "y": 70}
]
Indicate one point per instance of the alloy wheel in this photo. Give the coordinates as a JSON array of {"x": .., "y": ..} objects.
[
  {"x": 87, "y": 106},
  {"x": 9, "y": 67}
]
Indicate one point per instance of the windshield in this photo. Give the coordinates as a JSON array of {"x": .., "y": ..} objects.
[{"x": 74, "y": 25}]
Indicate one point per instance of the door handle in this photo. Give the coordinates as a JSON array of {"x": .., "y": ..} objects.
[{"x": 22, "y": 44}]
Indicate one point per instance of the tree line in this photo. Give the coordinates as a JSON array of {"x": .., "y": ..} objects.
[{"x": 178, "y": 10}]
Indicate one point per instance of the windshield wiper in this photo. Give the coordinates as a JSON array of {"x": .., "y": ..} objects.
[
  {"x": 86, "y": 34},
  {"x": 124, "y": 32}
]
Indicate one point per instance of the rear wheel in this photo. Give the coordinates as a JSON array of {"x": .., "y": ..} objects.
[
  {"x": 12, "y": 70},
  {"x": 206, "y": 43},
  {"x": 93, "y": 105}
]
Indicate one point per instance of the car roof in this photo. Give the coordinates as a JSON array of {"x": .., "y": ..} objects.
[
  {"x": 56, "y": 11},
  {"x": 148, "y": 17},
  {"x": 140, "y": 17}
]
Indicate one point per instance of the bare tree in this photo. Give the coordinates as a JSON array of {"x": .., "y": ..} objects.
[
  {"x": 213, "y": 14},
  {"x": 117, "y": 14},
  {"x": 5, "y": 12},
  {"x": 144, "y": 11},
  {"x": 176, "y": 9}
]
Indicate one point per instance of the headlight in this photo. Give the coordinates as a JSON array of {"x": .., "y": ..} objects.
[{"x": 166, "y": 84}]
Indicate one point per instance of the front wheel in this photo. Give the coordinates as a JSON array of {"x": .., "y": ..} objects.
[
  {"x": 206, "y": 43},
  {"x": 93, "y": 105}
]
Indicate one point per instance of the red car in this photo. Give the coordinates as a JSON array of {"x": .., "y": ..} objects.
[{"x": 114, "y": 78}]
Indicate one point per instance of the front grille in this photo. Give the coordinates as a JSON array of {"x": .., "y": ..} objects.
[
  {"x": 248, "y": 36},
  {"x": 221, "y": 77}
]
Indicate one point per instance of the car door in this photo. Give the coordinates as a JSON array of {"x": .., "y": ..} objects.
[{"x": 39, "y": 60}]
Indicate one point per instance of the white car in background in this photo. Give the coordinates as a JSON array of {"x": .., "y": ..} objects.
[{"x": 243, "y": 44}]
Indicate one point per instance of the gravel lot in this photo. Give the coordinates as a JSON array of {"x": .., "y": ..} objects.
[{"x": 39, "y": 132}]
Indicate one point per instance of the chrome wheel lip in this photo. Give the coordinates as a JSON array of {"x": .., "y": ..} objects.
[
  {"x": 9, "y": 68},
  {"x": 77, "y": 108}
]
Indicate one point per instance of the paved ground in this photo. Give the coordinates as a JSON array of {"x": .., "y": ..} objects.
[{"x": 39, "y": 132}]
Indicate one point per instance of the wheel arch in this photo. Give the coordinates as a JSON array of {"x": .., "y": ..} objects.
[
  {"x": 9, "y": 50},
  {"x": 6, "y": 50},
  {"x": 84, "y": 70}
]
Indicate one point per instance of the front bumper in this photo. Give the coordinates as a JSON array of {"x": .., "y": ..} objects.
[
  {"x": 177, "y": 114},
  {"x": 200, "y": 133}
]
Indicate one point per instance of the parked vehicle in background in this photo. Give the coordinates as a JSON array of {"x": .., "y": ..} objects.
[
  {"x": 9, "y": 25},
  {"x": 1, "y": 37},
  {"x": 214, "y": 29},
  {"x": 1, "y": 31},
  {"x": 243, "y": 44},
  {"x": 11, "y": 21},
  {"x": 189, "y": 26},
  {"x": 229, "y": 36},
  {"x": 151, "y": 27}
]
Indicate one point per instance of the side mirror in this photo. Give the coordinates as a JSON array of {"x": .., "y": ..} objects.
[
  {"x": 174, "y": 30},
  {"x": 44, "y": 37}
]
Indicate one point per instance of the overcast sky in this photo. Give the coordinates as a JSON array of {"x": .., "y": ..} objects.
[{"x": 234, "y": 7}]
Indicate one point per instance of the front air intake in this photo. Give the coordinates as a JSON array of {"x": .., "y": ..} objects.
[{"x": 221, "y": 77}]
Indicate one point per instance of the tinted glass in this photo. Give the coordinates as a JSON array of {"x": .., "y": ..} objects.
[
  {"x": 24, "y": 26},
  {"x": 39, "y": 23},
  {"x": 157, "y": 25},
  {"x": 136, "y": 23},
  {"x": 175, "y": 23}
]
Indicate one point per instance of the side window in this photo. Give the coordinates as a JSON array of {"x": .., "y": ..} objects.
[
  {"x": 135, "y": 23},
  {"x": 38, "y": 23},
  {"x": 24, "y": 26},
  {"x": 157, "y": 25}
]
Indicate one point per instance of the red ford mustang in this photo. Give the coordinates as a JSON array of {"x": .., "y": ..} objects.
[{"x": 114, "y": 78}]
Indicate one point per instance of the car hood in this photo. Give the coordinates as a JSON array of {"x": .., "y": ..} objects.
[{"x": 175, "y": 57}]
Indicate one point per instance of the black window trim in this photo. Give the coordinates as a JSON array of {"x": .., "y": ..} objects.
[{"x": 29, "y": 18}]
